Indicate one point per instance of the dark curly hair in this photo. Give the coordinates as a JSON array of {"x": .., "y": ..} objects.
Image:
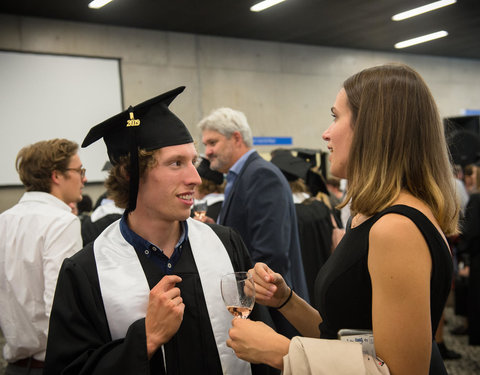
[{"x": 118, "y": 180}]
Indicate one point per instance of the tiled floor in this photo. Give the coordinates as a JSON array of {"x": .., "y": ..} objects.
[{"x": 469, "y": 364}]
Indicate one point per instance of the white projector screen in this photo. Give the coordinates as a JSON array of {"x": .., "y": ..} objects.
[{"x": 55, "y": 96}]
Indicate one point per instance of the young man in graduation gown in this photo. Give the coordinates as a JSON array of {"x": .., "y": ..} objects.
[{"x": 144, "y": 297}]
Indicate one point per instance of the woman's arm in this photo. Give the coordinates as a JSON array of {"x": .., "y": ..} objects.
[
  {"x": 400, "y": 265},
  {"x": 302, "y": 316}
]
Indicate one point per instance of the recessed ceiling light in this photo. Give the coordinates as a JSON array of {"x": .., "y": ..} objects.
[
  {"x": 95, "y": 4},
  {"x": 422, "y": 9},
  {"x": 421, "y": 39},
  {"x": 264, "y": 5}
]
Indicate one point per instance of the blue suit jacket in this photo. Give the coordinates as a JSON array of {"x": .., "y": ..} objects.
[{"x": 260, "y": 207}]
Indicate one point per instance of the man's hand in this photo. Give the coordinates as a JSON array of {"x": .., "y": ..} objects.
[{"x": 164, "y": 313}]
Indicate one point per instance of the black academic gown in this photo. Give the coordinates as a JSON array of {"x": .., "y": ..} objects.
[
  {"x": 315, "y": 234},
  {"x": 80, "y": 342},
  {"x": 214, "y": 209},
  {"x": 91, "y": 230}
]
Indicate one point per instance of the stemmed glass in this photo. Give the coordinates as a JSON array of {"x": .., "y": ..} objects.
[
  {"x": 200, "y": 208},
  {"x": 238, "y": 293}
]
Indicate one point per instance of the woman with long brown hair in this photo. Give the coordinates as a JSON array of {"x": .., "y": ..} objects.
[{"x": 392, "y": 271}]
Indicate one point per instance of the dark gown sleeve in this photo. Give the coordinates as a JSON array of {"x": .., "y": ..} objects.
[
  {"x": 214, "y": 209},
  {"x": 315, "y": 234},
  {"x": 79, "y": 340}
]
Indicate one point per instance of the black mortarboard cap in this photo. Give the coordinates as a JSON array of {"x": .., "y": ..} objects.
[
  {"x": 205, "y": 172},
  {"x": 464, "y": 147},
  {"x": 149, "y": 126},
  {"x": 291, "y": 166},
  {"x": 308, "y": 155}
]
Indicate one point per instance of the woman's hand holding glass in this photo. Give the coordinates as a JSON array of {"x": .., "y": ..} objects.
[
  {"x": 256, "y": 342},
  {"x": 247, "y": 338}
]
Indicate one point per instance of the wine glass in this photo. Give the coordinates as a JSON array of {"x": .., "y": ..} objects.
[
  {"x": 200, "y": 208},
  {"x": 238, "y": 293}
]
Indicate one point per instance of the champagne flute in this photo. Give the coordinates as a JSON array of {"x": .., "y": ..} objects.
[
  {"x": 200, "y": 208},
  {"x": 238, "y": 293}
]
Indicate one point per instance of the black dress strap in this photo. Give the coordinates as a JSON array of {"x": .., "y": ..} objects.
[{"x": 419, "y": 219}]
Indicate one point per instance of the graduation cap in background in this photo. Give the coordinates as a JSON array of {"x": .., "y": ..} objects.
[
  {"x": 149, "y": 126},
  {"x": 205, "y": 172},
  {"x": 309, "y": 155},
  {"x": 291, "y": 166},
  {"x": 464, "y": 147},
  {"x": 314, "y": 179},
  {"x": 294, "y": 167}
]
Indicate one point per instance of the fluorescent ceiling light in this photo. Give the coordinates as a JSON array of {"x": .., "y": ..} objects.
[
  {"x": 264, "y": 5},
  {"x": 421, "y": 39},
  {"x": 95, "y": 4},
  {"x": 422, "y": 9}
]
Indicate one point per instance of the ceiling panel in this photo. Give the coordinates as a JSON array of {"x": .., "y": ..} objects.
[{"x": 360, "y": 24}]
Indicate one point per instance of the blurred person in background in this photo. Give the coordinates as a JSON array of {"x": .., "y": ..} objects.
[
  {"x": 471, "y": 178},
  {"x": 211, "y": 189},
  {"x": 258, "y": 201},
  {"x": 37, "y": 234}
]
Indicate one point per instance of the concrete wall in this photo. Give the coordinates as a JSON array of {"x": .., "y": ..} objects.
[{"x": 284, "y": 89}]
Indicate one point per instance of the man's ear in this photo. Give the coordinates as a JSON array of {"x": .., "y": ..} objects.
[
  {"x": 56, "y": 177},
  {"x": 237, "y": 137}
]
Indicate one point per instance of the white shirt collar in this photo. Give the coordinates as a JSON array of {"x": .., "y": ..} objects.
[{"x": 40, "y": 196}]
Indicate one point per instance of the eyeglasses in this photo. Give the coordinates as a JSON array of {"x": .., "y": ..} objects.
[{"x": 78, "y": 170}]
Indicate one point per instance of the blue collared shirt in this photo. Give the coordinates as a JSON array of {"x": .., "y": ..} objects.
[
  {"x": 151, "y": 251},
  {"x": 232, "y": 175},
  {"x": 237, "y": 167}
]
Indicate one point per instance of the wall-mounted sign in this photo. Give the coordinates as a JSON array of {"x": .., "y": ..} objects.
[
  {"x": 471, "y": 112},
  {"x": 272, "y": 141}
]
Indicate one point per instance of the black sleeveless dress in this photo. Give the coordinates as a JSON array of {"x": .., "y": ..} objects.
[{"x": 343, "y": 290}]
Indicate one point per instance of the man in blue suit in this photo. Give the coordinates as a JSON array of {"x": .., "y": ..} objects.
[{"x": 258, "y": 201}]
